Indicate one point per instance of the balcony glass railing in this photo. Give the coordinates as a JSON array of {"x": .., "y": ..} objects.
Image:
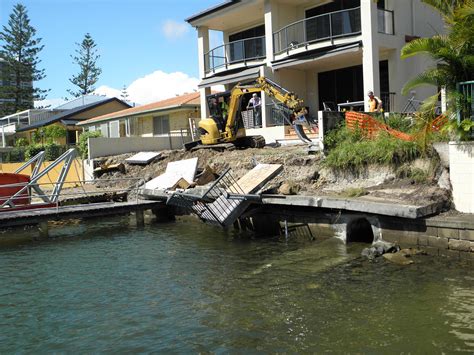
[
  {"x": 318, "y": 28},
  {"x": 235, "y": 52},
  {"x": 385, "y": 22}
]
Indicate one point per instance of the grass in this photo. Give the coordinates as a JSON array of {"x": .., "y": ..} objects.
[{"x": 352, "y": 151}]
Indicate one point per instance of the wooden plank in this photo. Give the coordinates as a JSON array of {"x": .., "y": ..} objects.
[{"x": 258, "y": 177}]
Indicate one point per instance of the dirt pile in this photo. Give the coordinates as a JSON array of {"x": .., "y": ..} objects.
[{"x": 306, "y": 173}]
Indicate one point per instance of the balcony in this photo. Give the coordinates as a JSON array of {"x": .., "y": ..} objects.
[
  {"x": 241, "y": 51},
  {"x": 326, "y": 27}
]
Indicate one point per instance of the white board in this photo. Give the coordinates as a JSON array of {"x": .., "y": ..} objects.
[
  {"x": 143, "y": 158},
  {"x": 175, "y": 170}
]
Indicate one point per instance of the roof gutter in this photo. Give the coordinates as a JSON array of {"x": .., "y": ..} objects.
[
  {"x": 211, "y": 10},
  {"x": 168, "y": 108}
]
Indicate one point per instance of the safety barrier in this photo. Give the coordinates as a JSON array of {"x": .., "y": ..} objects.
[{"x": 371, "y": 127}]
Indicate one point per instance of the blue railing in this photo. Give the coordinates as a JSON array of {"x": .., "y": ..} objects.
[{"x": 235, "y": 52}]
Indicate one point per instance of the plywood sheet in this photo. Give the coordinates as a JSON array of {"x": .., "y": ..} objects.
[
  {"x": 258, "y": 177},
  {"x": 143, "y": 158},
  {"x": 176, "y": 170}
]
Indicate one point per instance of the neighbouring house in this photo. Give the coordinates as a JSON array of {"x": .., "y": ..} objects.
[
  {"x": 330, "y": 53},
  {"x": 165, "y": 124},
  {"x": 68, "y": 116}
]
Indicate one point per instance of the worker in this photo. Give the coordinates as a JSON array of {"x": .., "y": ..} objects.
[
  {"x": 375, "y": 104},
  {"x": 256, "y": 104},
  {"x": 225, "y": 108}
]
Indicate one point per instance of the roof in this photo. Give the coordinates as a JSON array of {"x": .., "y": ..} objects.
[
  {"x": 80, "y": 101},
  {"x": 181, "y": 101},
  {"x": 68, "y": 114},
  {"x": 211, "y": 10}
]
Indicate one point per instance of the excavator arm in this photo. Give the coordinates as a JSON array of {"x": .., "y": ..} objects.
[
  {"x": 267, "y": 86},
  {"x": 220, "y": 132}
]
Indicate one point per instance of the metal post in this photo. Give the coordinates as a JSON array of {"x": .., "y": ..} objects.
[
  {"x": 43, "y": 229},
  {"x": 140, "y": 216}
]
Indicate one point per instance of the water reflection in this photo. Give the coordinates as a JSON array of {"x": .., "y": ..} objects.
[{"x": 187, "y": 287}]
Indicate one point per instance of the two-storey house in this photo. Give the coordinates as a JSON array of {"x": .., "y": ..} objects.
[{"x": 328, "y": 52}]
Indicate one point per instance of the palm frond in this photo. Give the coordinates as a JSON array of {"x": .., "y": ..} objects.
[
  {"x": 428, "y": 46},
  {"x": 432, "y": 76}
]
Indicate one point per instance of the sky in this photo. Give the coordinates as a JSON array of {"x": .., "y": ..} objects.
[{"x": 144, "y": 45}]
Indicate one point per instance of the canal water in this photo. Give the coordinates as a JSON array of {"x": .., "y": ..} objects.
[{"x": 103, "y": 286}]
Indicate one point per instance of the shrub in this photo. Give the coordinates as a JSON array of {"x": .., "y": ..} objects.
[
  {"x": 16, "y": 155},
  {"x": 52, "y": 151},
  {"x": 82, "y": 145},
  {"x": 352, "y": 151},
  {"x": 21, "y": 142},
  {"x": 53, "y": 132},
  {"x": 400, "y": 122},
  {"x": 32, "y": 150}
]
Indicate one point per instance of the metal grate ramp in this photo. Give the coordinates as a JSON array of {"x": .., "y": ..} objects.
[{"x": 222, "y": 204}]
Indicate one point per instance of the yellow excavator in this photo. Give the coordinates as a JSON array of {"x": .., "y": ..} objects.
[{"x": 225, "y": 128}]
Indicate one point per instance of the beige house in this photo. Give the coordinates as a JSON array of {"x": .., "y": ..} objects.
[
  {"x": 329, "y": 52},
  {"x": 171, "y": 117}
]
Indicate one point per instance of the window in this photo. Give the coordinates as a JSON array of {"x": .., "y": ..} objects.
[
  {"x": 161, "y": 125},
  {"x": 114, "y": 129}
]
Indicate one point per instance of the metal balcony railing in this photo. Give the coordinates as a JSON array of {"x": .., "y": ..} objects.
[
  {"x": 235, "y": 52},
  {"x": 385, "y": 21},
  {"x": 466, "y": 100},
  {"x": 328, "y": 26}
]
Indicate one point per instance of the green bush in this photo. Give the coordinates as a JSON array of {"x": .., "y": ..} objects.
[
  {"x": 21, "y": 142},
  {"x": 51, "y": 151},
  {"x": 16, "y": 155},
  {"x": 32, "y": 150},
  {"x": 400, "y": 122},
  {"x": 53, "y": 132},
  {"x": 352, "y": 151},
  {"x": 82, "y": 145}
]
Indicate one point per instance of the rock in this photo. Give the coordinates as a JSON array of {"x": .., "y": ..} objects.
[
  {"x": 443, "y": 180},
  {"x": 410, "y": 251},
  {"x": 379, "y": 248},
  {"x": 398, "y": 258},
  {"x": 289, "y": 188}
]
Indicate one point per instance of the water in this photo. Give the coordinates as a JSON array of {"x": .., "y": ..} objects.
[{"x": 186, "y": 287}]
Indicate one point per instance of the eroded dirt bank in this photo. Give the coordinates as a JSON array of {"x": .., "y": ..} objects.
[{"x": 302, "y": 174}]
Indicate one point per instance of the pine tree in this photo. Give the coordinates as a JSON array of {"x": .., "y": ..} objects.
[
  {"x": 89, "y": 72},
  {"x": 124, "y": 94},
  {"x": 19, "y": 59}
]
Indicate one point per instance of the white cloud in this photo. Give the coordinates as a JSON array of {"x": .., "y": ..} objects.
[
  {"x": 154, "y": 87},
  {"x": 174, "y": 30}
]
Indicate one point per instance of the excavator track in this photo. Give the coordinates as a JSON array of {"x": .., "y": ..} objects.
[{"x": 250, "y": 142}]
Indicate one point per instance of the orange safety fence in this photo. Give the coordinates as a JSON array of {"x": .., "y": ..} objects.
[{"x": 371, "y": 126}]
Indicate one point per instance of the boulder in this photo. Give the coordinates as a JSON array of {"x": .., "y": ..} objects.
[
  {"x": 289, "y": 188},
  {"x": 398, "y": 258}
]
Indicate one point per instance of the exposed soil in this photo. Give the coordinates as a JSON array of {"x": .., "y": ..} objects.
[{"x": 300, "y": 169}]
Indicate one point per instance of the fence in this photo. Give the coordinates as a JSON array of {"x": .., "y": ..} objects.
[
  {"x": 74, "y": 174},
  {"x": 466, "y": 107}
]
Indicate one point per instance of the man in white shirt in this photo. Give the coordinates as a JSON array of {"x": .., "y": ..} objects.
[{"x": 256, "y": 104}]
